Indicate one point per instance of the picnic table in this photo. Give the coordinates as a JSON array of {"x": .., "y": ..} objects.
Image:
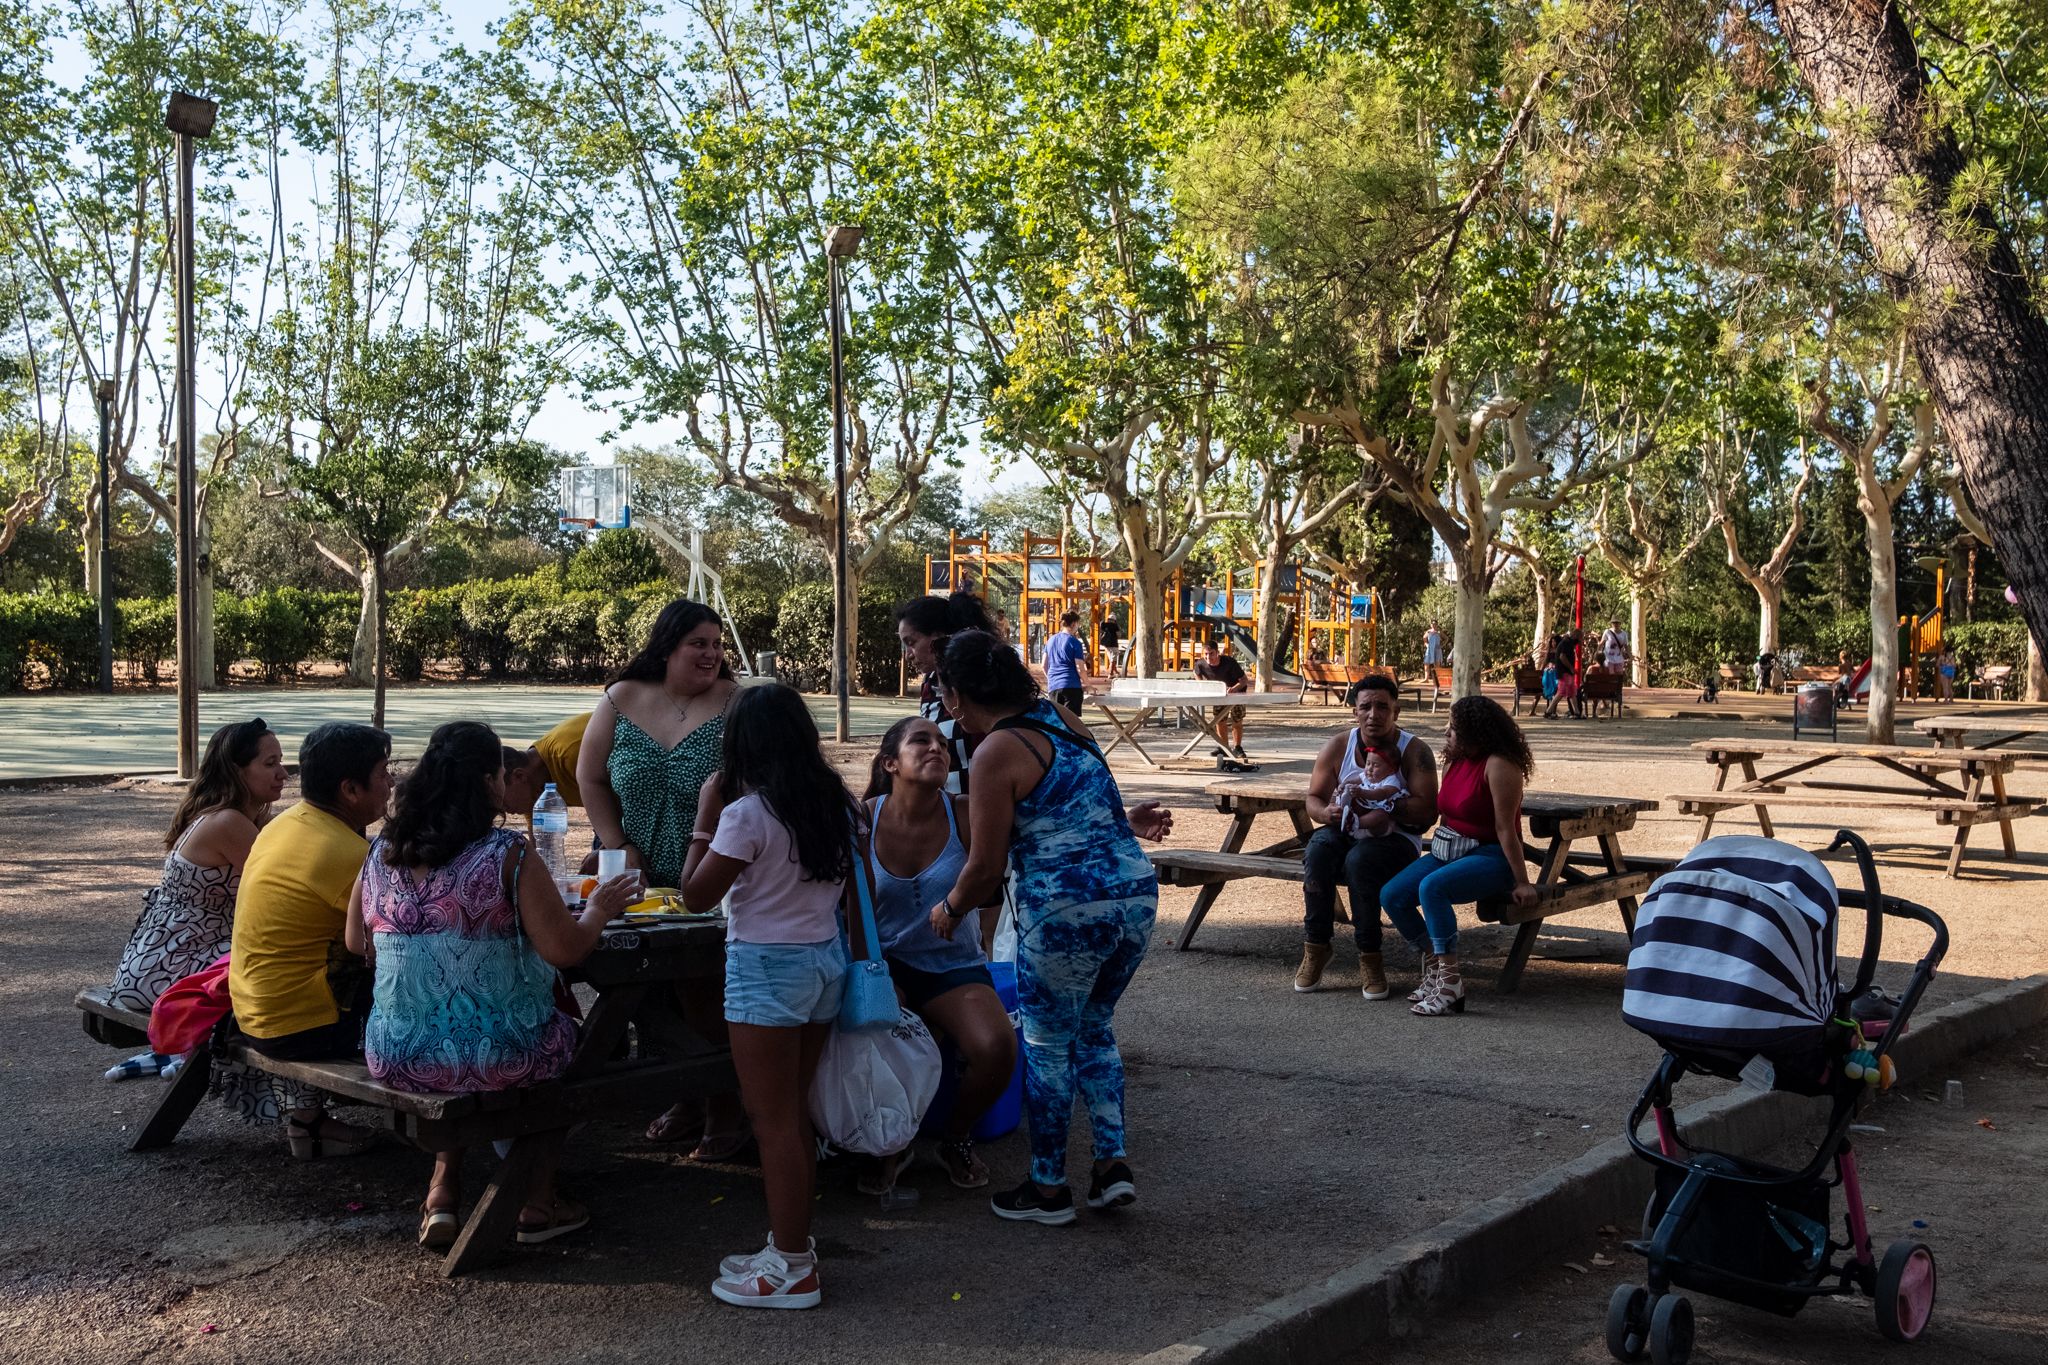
[
  {"x": 1932, "y": 778},
  {"x": 1130, "y": 702},
  {"x": 1564, "y": 882},
  {"x": 1991, "y": 731},
  {"x": 632, "y": 962}
]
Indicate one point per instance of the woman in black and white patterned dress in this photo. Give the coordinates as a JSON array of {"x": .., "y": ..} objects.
[{"x": 188, "y": 917}]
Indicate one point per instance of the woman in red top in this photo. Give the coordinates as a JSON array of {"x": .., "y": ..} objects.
[{"x": 1476, "y": 853}]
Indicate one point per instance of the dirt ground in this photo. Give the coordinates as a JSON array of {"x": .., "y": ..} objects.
[
  {"x": 1968, "y": 1173},
  {"x": 1263, "y": 1124}
]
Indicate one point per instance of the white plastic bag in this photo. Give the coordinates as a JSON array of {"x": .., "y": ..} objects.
[
  {"x": 872, "y": 1088},
  {"x": 1003, "y": 948}
]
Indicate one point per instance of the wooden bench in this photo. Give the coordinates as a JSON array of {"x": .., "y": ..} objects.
[
  {"x": 1806, "y": 673},
  {"x": 1528, "y": 683},
  {"x": 1333, "y": 681},
  {"x": 1436, "y": 677},
  {"x": 1981, "y": 798},
  {"x": 628, "y": 965},
  {"x": 1993, "y": 679},
  {"x": 1601, "y": 689}
]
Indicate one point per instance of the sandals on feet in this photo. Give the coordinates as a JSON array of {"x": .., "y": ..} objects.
[
  {"x": 966, "y": 1170},
  {"x": 677, "y": 1122},
  {"x": 714, "y": 1147},
  {"x": 879, "y": 1176},
  {"x": 560, "y": 1218},
  {"x": 438, "y": 1228}
]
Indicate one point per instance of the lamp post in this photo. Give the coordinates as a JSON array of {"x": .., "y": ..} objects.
[
  {"x": 104, "y": 392},
  {"x": 842, "y": 243},
  {"x": 188, "y": 117}
]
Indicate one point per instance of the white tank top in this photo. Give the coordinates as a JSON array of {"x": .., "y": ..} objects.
[{"x": 1350, "y": 768}]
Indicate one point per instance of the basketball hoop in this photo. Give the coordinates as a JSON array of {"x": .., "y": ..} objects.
[{"x": 595, "y": 498}]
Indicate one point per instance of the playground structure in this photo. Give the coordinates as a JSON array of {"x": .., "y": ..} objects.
[
  {"x": 1924, "y": 632},
  {"x": 595, "y": 498},
  {"x": 1321, "y": 614}
]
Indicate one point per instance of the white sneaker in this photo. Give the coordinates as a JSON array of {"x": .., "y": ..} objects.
[
  {"x": 767, "y": 1282},
  {"x": 737, "y": 1264}
]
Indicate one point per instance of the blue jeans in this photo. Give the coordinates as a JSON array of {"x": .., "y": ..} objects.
[{"x": 1440, "y": 888}]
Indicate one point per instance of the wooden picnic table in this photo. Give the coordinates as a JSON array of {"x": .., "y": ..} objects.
[
  {"x": 1931, "y": 786},
  {"x": 1987, "y": 731},
  {"x": 632, "y": 962},
  {"x": 1563, "y": 883},
  {"x": 1130, "y": 702}
]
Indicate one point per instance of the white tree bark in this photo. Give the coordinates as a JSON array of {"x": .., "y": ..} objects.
[
  {"x": 1766, "y": 580},
  {"x": 1645, "y": 571}
]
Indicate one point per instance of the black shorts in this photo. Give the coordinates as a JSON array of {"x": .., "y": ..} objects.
[
  {"x": 920, "y": 988},
  {"x": 1069, "y": 697}
]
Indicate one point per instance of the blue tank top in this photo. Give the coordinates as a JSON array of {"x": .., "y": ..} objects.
[
  {"x": 903, "y": 906},
  {"x": 1072, "y": 844}
]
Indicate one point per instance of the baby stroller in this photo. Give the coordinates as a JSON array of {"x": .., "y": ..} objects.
[{"x": 1733, "y": 973}]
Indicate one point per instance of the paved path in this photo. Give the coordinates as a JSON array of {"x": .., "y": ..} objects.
[{"x": 53, "y": 735}]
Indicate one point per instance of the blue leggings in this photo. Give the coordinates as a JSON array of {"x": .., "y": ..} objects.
[
  {"x": 1441, "y": 888},
  {"x": 1072, "y": 966}
]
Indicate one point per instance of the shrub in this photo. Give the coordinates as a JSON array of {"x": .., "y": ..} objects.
[
  {"x": 614, "y": 562},
  {"x": 420, "y": 626},
  {"x": 283, "y": 631},
  {"x": 484, "y": 616},
  {"x": 1979, "y": 643},
  {"x": 56, "y": 633},
  {"x": 146, "y": 632},
  {"x": 803, "y": 636}
]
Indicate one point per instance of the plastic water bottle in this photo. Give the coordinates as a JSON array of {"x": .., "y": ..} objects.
[{"x": 551, "y": 833}]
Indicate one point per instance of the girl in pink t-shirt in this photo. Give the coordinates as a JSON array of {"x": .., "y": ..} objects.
[{"x": 774, "y": 841}]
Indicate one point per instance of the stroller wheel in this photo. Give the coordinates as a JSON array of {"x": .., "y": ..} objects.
[
  {"x": 1905, "y": 1290},
  {"x": 1628, "y": 1322},
  {"x": 1671, "y": 1330}
]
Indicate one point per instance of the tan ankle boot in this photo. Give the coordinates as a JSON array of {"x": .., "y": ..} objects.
[
  {"x": 1309, "y": 975},
  {"x": 1372, "y": 976}
]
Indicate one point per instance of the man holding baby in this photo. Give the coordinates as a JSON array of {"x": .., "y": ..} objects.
[{"x": 1372, "y": 794}]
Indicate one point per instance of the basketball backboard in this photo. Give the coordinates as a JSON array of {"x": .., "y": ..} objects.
[{"x": 595, "y": 497}]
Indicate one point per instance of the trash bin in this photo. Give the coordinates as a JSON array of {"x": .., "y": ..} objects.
[
  {"x": 1813, "y": 708},
  {"x": 764, "y": 663}
]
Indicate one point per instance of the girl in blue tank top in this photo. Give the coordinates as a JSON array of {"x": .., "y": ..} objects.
[{"x": 917, "y": 847}]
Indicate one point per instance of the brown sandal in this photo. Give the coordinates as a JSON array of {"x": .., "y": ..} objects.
[
  {"x": 564, "y": 1216},
  {"x": 438, "y": 1228}
]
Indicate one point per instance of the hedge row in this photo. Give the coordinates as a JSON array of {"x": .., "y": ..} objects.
[{"x": 532, "y": 627}]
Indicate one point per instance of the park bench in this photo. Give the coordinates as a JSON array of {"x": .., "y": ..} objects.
[
  {"x": 1981, "y": 799},
  {"x": 1528, "y": 683},
  {"x": 1601, "y": 689},
  {"x": 1333, "y": 681},
  {"x": 1564, "y": 882},
  {"x": 1993, "y": 679},
  {"x": 602, "y": 1074},
  {"x": 1794, "y": 679}
]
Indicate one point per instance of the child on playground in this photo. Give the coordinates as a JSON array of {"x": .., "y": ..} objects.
[
  {"x": 1367, "y": 797},
  {"x": 774, "y": 840}
]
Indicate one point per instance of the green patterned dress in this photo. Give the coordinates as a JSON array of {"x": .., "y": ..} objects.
[{"x": 657, "y": 790}]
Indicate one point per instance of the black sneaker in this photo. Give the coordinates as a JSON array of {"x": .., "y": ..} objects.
[
  {"x": 1113, "y": 1188},
  {"x": 1026, "y": 1204}
]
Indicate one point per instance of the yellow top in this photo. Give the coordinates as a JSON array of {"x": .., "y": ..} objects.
[
  {"x": 288, "y": 918},
  {"x": 558, "y": 749}
]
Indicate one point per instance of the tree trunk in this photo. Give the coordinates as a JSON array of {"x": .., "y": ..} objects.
[
  {"x": 377, "y": 653},
  {"x": 2037, "y": 671},
  {"x": 851, "y": 623},
  {"x": 1770, "y": 599},
  {"x": 1468, "y": 634},
  {"x": 362, "y": 655},
  {"x": 1148, "y": 624},
  {"x": 1884, "y": 625},
  {"x": 1539, "y": 642},
  {"x": 1267, "y": 621},
  {"x": 212, "y": 672},
  {"x": 1981, "y": 346},
  {"x": 1638, "y": 637}
]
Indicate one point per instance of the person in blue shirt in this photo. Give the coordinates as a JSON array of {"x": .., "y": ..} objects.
[{"x": 1066, "y": 654}]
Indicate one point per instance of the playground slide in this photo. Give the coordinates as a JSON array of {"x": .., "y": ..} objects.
[
  {"x": 1248, "y": 648},
  {"x": 1859, "y": 682}
]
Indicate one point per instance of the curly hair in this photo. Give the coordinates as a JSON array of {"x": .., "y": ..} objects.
[
  {"x": 444, "y": 804},
  {"x": 772, "y": 750},
  {"x": 219, "y": 785},
  {"x": 676, "y": 621},
  {"x": 1481, "y": 728}
]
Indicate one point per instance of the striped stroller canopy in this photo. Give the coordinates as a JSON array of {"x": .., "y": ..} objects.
[{"x": 1734, "y": 948}]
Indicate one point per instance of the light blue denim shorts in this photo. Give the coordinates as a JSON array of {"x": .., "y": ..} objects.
[{"x": 784, "y": 985}]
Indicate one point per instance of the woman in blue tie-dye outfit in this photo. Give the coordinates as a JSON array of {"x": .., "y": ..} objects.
[{"x": 1086, "y": 899}]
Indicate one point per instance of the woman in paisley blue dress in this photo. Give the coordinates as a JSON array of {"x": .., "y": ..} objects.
[
  {"x": 465, "y": 937},
  {"x": 1086, "y": 899}
]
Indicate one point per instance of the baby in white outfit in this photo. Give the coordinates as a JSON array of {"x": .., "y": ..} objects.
[{"x": 1367, "y": 797}]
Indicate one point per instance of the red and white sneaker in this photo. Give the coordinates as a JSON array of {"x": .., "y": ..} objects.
[{"x": 767, "y": 1281}]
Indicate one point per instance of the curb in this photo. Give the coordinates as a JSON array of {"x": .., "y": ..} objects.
[{"x": 1391, "y": 1293}]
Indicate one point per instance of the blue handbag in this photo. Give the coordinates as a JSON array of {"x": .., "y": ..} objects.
[{"x": 869, "y": 1002}]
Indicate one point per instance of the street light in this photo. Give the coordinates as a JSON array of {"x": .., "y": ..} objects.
[
  {"x": 188, "y": 117},
  {"x": 105, "y": 391},
  {"x": 842, "y": 243}
]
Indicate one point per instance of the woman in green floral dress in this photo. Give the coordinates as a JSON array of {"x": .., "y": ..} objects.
[{"x": 653, "y": 741}]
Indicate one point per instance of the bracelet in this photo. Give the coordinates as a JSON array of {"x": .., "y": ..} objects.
[
  {"x": 951, "y": 913},
  {"x": 697, "y": 834}
]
